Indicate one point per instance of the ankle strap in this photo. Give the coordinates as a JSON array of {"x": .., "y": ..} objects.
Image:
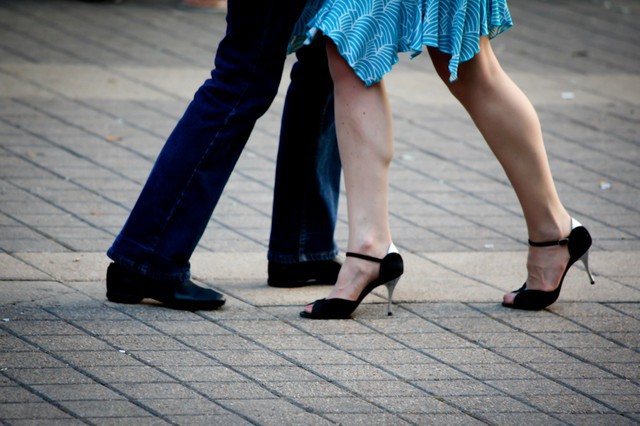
[
  {"x": 364, "y": 256},
  {"x": 562, "y": 242}
]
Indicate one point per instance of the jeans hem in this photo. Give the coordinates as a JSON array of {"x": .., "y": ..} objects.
[
  {"x": 303, "y": 257},
  {"x": 146, "y": 269}
]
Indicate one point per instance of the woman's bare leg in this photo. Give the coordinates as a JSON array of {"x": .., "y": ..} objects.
[
  {"x": 365, "y": 140},
  {"x": 510, "y": 125}
]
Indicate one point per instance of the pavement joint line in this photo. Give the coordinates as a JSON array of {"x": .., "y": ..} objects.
[
  {"x": 418, "y": 350},
  {"x": 220, "y": 362},
  {"x": 556, "y": 347},
  {"x": 89, "y": 132},
  {"x": 36, "y": 230},
  {"x": 604, "y": 336},
  {"x": 159, "y": 368},
  {"x": 337, "y": 382},
  {"x": 61, "y": 208},
  {"x": 86, "y": 60},
  {"x": 583, "y": 123},
  {"x": 464, "y": 372},
  {"x": 42, "y": 396},
  {"x": 84, "y": 372},
  {"x": 502, "y": 182}
]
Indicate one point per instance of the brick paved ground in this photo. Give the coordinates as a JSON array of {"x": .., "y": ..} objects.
[{"x": 88, "y": 94}]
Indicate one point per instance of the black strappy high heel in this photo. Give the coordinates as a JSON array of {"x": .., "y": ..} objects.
[
  {"x": 391, "y": 268},
  {"x": 578, "y": 243}
]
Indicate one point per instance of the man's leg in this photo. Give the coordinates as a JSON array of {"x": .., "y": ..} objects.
[
  {"x": 193, "y": 167},
  {"x": 302, "y": 248}
]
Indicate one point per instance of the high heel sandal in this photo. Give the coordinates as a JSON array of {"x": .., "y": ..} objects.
[
  {"x": 578, "y": 243},
  {"x": 391, "y": 268}
]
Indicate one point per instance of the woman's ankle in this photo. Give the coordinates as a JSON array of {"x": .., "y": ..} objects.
[{"x": 552, "y": 229}]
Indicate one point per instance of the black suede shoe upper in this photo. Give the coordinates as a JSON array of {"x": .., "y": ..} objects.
[{"x": 124, "y": 286}]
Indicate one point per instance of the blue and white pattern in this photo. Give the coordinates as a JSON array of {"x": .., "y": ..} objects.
[{"x": 369, "y": 34}]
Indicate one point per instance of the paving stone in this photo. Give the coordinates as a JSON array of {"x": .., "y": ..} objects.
[
  {"x": 12, "y": 269},
  {"x": 168, "y": 389},
  {"x": 9, "y": 394},
  {"x": 460, "y": 387},
  {"x": 42, "y": 328},
  {"x": 32, "y": 411},
  {"x": 77, "y": 392},
  {"x": 377, "y": 388},
  {"x": 394, "y": 357},
  {"x": 567, "y": 403},
  {"x": 496, "y": 341},
  {"x": 100, "y": 409},
  {"x": 113, "y": 358},
  {"x": 526, "y": 418},
  {"x": 599, "y": 419},
  {"x": 33, "y": 359},
  {"x": 488, "y": 404},
  {"x": 559, "y": 370},
  {"x": 195, "y": 327},
  {"x": 362, "y": 341},
  {"x": 443, "y": 419},
  {"x": 118, "y": 327},
  {"x": 505, "y": 370},
  {"x": 203, "y": 374},
  {"x": 413, "y": 372},
  {"x": 127, "y": 374},
  {"x": 351, "y": 372},
  {"x": 207, "y": 419},
  {"x": 19, "y": 292},
  {"x": 240, "y": 389},
  {"x": 219, "y": 342},
  {"x": 140, "y": 420},
  {"x": 252, "y": 358},
  {"x": 272, "y": 412},
  {"x": 536, "y": 386},
  {"x": 37, "y": 375},
  {"x": 53, "y": 422},
  {"x": 177, "y": 407},
  {"x": 308, "y": 389},
  {"x": 326, "y": 405},
  {"x": 144, "y": 342},
  {"x": 69, "y": 343},
  {"x": 466, "y": 355}
]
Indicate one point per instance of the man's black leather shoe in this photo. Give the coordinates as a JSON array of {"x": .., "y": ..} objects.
[
  {"x": 289, "y": 275},
  {"x": 124, "y": 286}
]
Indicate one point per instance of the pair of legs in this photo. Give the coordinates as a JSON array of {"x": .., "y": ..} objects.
[
  {"x": 196, "y": 161},
  {"x": 509, "y": 124}
]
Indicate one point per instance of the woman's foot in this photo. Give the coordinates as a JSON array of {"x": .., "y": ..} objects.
[
  {"x": 359, "y": 275},
  {"x": 547, "y": 266}
]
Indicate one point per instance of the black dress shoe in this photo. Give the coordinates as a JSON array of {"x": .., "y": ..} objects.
[
  {"x": 289, "y": 275},
  {"x": 124, "y": 286}
]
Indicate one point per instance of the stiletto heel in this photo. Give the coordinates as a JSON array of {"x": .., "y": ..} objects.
[
  {"x": 578, "y": 243},
  {"x": 391, "y": 268},
  {"x": 585, "y": 262},
  {"x": 391, "y": 285}
]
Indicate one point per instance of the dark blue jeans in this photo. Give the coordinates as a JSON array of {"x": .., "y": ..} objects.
[{"x": 196, "y": 161}]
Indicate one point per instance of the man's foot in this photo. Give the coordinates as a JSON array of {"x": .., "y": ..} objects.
[
  {"x": 124, "y": 286},
  {"x": 289, "y": 275}
]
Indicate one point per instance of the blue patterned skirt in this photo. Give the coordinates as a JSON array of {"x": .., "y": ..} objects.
[{"x": 369, "y": 34}]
